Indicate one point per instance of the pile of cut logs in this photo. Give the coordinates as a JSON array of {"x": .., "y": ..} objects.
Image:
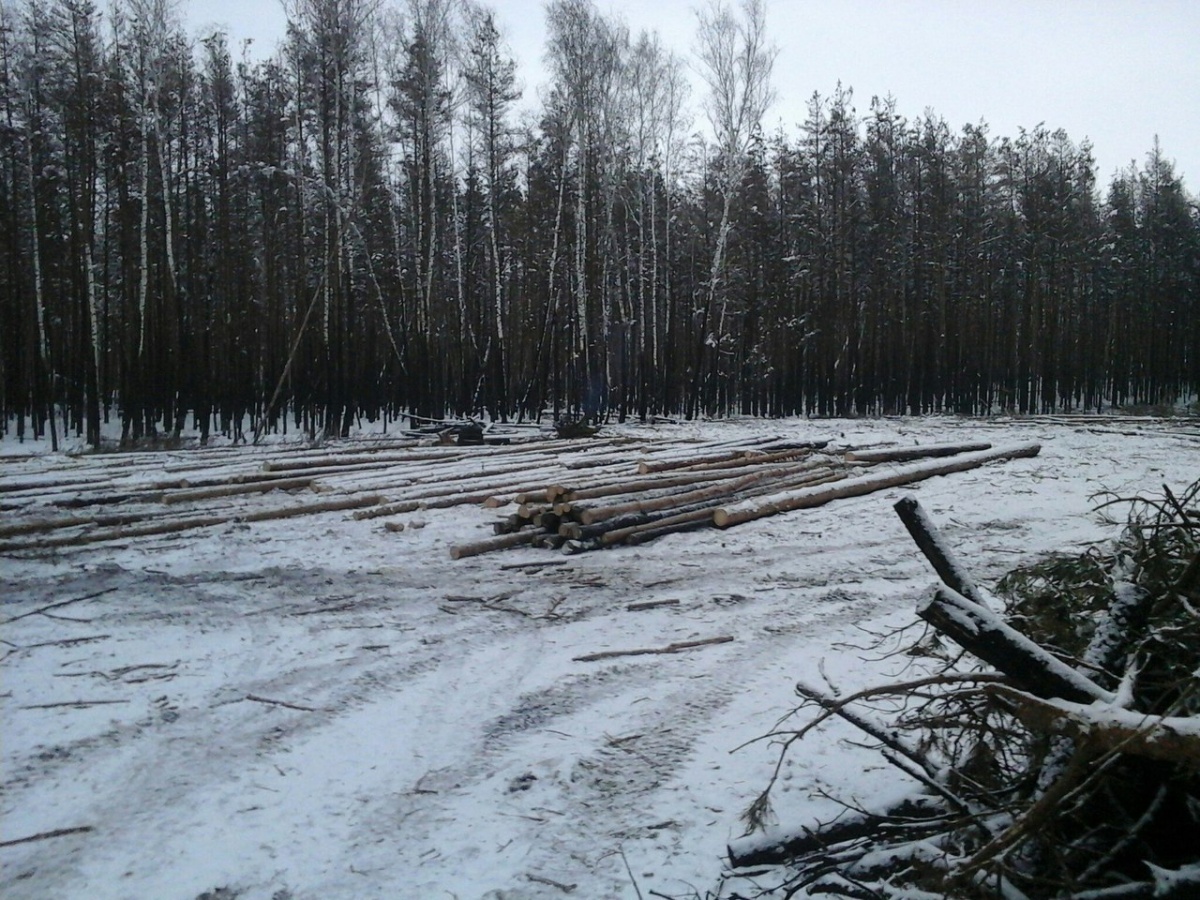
[{"x": 722, "y": 486}]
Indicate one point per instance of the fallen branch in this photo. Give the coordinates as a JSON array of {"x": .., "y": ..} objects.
[
  {"x": 985, "y": 635},
  {"x": 59, "y": 605},
  {"x": 651, "y": 604},
  {"x": 66, "y": 642},
  {"x": 270, "y": 702},
  {"x": 46, "y": 835},
  {"x": 930, "y": 542},
  {"x": 670, "y": 648},
  {"x": 912, "y": 816},
  {"x": 75, "y": 704}
]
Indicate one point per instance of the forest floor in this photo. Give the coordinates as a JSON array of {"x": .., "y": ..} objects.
[{"x": 319, "y": 708}]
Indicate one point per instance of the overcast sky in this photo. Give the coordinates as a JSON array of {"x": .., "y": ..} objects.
[{"x": 1115, "y": 71}]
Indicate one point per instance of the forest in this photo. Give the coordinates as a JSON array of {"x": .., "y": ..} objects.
[{"x": 370, "y": 224}]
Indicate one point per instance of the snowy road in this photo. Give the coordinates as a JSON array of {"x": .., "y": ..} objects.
[{"x": 321, "y": 708}]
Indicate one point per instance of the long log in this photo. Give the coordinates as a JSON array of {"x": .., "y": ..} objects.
[
  {"x": 388, "y": 509},
  {"x": 233, "y": 490},
  {"x": 39, "y": 526},
  {"x": 154, "y": 529},
  {"x": 984, "y": 634},
  {"x": 747, "y": 450},
  {"x": 662, "y": 461},
  {"x": 612, "y": 487},
  {"x": 528, "y": 536},
  {"x": 308, "y": 509},
  {"x": 907, "y": 454},
  {"x": 806, "y": 498},
  {"x": 644, "y": 524},
  {"x": 119, "y": 533},
  {"x": 713, "y": 491},
  {"x": 749, "y": 459},
  {"x": 695, "y": 518}
]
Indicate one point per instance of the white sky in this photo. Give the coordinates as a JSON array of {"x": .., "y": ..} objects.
[{"x": 1116, "y": 71}]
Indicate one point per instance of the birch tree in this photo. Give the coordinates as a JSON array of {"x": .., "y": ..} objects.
[
  {"x": 735, "y": 61},
  {"x": 490, "y": 75}
]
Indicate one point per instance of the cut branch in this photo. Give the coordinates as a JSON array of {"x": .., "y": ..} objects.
[
  {"x": 982, "y": 633},
  {"x": 678, "y": 647}
]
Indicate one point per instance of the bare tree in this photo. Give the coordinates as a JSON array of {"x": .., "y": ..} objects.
[
  {"x": 585, "y": 50},
  {"x": 735, "y": 59},
  {"x": 491, "y": 82}
]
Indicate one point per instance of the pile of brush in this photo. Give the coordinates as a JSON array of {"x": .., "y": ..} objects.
[{"x": 1066, "y": 765}]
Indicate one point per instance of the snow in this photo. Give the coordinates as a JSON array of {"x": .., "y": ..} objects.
[{"x": 438, "y": 746}]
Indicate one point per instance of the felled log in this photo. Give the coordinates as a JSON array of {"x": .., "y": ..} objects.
[
  {"x": 984, "y": 634},
  {"x": 906, "y": 454},
  {"x": 101, "y": 535},
  {"x": 913, "y": 816},
  {"x": 618, "y": 486},
  {"x": 716, "y": 490},
  {"x": 806, "y": 498},
  {"x": 1174, "y": 739},
  {"x": 646, "y": 467},
  {"x": 39, "y": 526},
  {"x": 528, "y": 536},
  {"x": 748, "y": 459},
  {"x": 669, "y": 525},
  {"x": 707, "y": 451},
  {"x": 233, "y": 490},
  {"x": 388, "y": 509},
  {"x": 307, "y": 509}
]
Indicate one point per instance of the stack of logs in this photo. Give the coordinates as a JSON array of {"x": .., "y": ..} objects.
[{"x": 685, "y": 491}]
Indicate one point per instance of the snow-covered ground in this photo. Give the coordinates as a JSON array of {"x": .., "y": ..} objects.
[{"x": 322, "y": 708}]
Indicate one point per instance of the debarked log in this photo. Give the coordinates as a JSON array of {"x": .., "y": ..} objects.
[
  {"x": 984, "y": 634},
  {"x": 806, "y": 498}
]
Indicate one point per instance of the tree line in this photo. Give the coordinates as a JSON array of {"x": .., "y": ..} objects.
[{"x": 367, "y": 224}]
